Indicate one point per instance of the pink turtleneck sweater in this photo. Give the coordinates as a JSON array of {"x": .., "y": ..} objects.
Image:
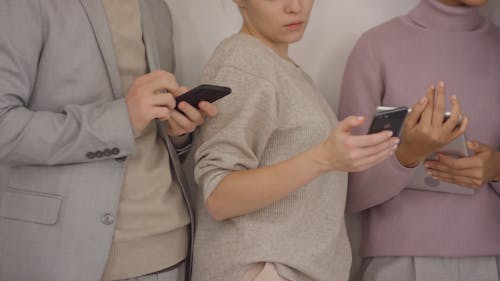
[{"x": 394, "y": 64}]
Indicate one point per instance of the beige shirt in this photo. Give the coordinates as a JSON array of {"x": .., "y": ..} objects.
[{"x": 150, "y": 232}]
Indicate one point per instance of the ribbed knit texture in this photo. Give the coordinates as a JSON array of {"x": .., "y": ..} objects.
[
  {"x": 393, "y": 65},
  {"x": 150, "y": 232},
  {"x": 274, "y": 113}
]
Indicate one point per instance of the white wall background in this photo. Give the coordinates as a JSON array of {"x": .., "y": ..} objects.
[{"x": 333, "y": 29}]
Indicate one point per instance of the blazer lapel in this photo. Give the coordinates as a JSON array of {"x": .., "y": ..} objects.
[
  {"x": 149, "y": 37},
  {"x": 98, "y": 20}
]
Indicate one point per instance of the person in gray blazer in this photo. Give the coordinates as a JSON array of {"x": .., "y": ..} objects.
[{"x": 91, "y": 186}]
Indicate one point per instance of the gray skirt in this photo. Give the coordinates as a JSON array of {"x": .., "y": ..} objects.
[{"x": 430, "y": 269}]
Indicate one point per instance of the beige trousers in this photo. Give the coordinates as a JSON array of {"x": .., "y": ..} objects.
[
  {"x": 176, "y": 274},
  {"x": 263, "y": 271}
]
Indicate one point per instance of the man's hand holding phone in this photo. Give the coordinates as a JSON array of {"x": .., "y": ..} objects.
[
  {"x": 193, "y": 106},
  {"x": 186, "y": 117},
  {"x": 152, "y": 96}
]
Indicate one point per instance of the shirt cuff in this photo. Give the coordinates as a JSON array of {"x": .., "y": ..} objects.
[{"x": 182, "y": 143}]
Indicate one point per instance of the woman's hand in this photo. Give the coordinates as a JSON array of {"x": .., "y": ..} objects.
[
  {"x": 245, "y": 191},
  {"x": 424, "y": 131},
  {"x": 345, "y": 152},
  {"x": 472, "y": 172}
]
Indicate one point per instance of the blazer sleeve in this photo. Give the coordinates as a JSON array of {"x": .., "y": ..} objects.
[
  {"x": 362, "y": 91},
  {"x": 76, "y": 133}
]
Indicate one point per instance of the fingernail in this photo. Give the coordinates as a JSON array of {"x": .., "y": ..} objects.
[
  {"x": 454, "y": 97},
  {"x": 423, "y": 100},
  {"x": 359, "y": 118},
  {"x": 441, "y": 84},
  {"x": 396, "y": 141},
  {"x": 389, "y": 134}
]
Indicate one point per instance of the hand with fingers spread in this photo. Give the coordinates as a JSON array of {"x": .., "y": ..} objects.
[
  {"x": 185, "y": 122},
  {"x": 473, "y": 172},
  {"x": 345, "y": 152},
  {"x": 145, "y": 100},
  {"x": 425, "y": 130}
]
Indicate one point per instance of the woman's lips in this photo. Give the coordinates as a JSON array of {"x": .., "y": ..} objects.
[{"x": 294, "y": 25}]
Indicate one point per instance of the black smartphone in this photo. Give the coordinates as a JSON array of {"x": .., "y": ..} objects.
[
  {"x": 391, "y": 120},
  {"x": 204, "y": 92}
]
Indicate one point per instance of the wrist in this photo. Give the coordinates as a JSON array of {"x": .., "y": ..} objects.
[
  {"x": 318, "y": 160},
  {"x": 408, "y": 158}
]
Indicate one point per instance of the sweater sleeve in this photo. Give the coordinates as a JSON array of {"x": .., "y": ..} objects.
[
  {"x": 236, "y": 138},
  {"x": 362, "y": 91},
  {"x": 496, "y": 186}
]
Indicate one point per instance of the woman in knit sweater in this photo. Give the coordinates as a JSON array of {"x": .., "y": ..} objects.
[
  {"x": 272, "y": 165},
  {"x": 409, "y": 234}
]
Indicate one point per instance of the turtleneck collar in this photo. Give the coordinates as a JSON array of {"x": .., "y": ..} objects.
[{"x": 434, "y": 15}]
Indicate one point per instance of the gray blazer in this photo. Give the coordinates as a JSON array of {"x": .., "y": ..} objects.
[{"x": 64, "y": 134}]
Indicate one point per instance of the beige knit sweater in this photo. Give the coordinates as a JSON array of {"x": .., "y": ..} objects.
[
  {"x": 150, "y": 232},
  {"x": 274, "y": 113}
]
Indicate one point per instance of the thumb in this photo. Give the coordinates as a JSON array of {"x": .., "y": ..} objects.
[
  {"x": 350, "y": 122},
  {"x": 477, "y": 147}
]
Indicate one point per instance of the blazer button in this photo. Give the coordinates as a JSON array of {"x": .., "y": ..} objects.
[
  {"x": 107, "y": 152},
  {"x": 121, "y": 159},
  {"x": 115, "y": 151},
  {"x": 99, "y": 154},
  {"x": 108, "y": 219},
  {"x": 90, "y": 155}
]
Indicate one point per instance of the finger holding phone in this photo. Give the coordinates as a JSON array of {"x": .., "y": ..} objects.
[
  {"x": 472, "y": 172},
  {"x": 186, "y": 117},
  {"x": 343, "y": 151},
  {"x": 153, "y": 96},
  {"x": 145, "y": 102},
  {"x": 425, "y": 129}
]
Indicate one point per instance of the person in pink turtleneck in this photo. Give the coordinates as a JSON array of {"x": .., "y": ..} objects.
[{"x": 417, "y": 235}]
